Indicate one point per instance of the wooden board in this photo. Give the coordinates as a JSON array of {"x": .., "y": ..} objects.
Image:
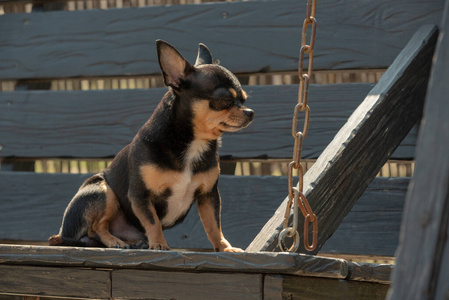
[
  {"x": 372, "y": 226},
  {"x": 137, "y": 284},
  {"x": 101, "y": 123},
  {"x": 244, "y": 36},
  {"x": 425, "y": 226},
  {"x": 364, "y": 143},
  {"x": 32, "y": 206},
  {"x": 317, "y": 289},
  {"x": 267, "y": 263},
  {"x": 46, "y": 281}
]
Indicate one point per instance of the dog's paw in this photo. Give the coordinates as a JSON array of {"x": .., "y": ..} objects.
[
  {"x": 232, "y": 249},
  {"x": 140, "y": 245},
  {"x": 159, "y": 246},
  {"x": 119, "y": 245}
]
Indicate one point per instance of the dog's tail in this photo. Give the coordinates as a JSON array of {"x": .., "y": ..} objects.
[{"x": 59, "y": 240}]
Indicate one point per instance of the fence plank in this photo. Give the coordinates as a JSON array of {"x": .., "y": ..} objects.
[
  {"x": 246, "y": 36},
  {"x": 32, "y": 206},
  {"x": 137, "y": 284},
  {"x": 364, "y": 143},
  {"x": 57, "y": 282},
  {"x": 100, "y": 123}
]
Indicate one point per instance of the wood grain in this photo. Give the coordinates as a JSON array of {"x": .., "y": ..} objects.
[
  {"x": 137, "y": 284},
  {"x": 244, "y": 36},
  {"x": 57, "y": 282},
  {"x": 32, "y": 206},
  {"x": 100, "y": 123},
  {"x": 318, "y": 289},
  {"x": 425, "y": 226},
  {"x": 372, "y": 226},
  {"x": 263, "y": 262},
  {"x": 364, "y": 143}
]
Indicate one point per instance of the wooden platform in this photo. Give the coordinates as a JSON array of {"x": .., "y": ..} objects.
[{"x": 138, "y": 274}]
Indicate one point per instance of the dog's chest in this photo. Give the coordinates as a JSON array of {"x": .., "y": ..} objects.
[
  {"x": 183, "y": 190},
  {"x": 182, "y": 185}
]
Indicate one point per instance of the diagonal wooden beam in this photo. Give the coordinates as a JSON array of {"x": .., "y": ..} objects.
[{"x": 350, "y": 162}]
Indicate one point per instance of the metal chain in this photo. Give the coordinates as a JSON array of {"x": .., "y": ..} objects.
[{"x": 295, "y": 194}]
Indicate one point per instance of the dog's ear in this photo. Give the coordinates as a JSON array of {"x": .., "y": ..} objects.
[
  {"x": 204, "y": 56},
  {"x": 174, "y": 67}
]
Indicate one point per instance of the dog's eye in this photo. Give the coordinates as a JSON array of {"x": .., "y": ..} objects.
[{"x": 221, "y": 104}]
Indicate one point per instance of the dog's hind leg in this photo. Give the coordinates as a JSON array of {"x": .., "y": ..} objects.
[{"x": 101, "y": 223}]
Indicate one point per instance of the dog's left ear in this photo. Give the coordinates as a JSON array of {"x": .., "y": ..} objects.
[
  {"x": 174, "y": 67},
  {"x": 204, "y": 56}
]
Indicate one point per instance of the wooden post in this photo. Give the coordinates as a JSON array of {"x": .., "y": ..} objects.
[
  {"x": 358, "y": 151},
  {"x": 422, "y": 268}
]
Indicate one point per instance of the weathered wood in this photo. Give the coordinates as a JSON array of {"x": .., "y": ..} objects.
[
  {"x": 137, "y": 284},
  {"x": 425, "y": 226},
  {"x": 362, "y": 146},
  {"x": 379, "y": 273},
  {"x": 352, "y": 34},
  {"x": 32, "y": 207},
  {"x": 371, "y": 228},
  {"x": 263, "y": 262},
  {"x": 101, "y": 123},
  {"x": 59, "y": 282},
  {"x": 319, "y": 288}
]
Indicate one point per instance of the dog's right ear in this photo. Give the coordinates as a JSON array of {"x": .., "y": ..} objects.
[
  {"x": 174, "y": 67},
  {"x": 204, "y": 56}
]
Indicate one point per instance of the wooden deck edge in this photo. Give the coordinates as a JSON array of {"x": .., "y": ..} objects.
[{"x": 184, "y": 261}]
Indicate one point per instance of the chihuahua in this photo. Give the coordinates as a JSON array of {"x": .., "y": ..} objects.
[{"x": 171, "y": 163}]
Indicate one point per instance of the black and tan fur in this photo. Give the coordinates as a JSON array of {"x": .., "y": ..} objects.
[{"x": 171, "y": 163}]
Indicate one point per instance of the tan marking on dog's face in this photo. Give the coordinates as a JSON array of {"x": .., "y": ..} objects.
[
  {"x": 233, "y": 92},
  {"x": 210, "y": 124},
  {"x": 244, "y": 95},
  {"x": 158, "y": 180}
]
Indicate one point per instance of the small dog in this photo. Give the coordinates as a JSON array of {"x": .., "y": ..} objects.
[{"x": 171, "y": 163}]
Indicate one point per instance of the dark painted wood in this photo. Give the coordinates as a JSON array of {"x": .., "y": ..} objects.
[
  {"x": 319, "y": 288},
  {"x": 372, "y": 226},
  {"x": 379, "y": 273},
  {"x": 263, "y": 262},
  {"x": 57, "y": 282},
  {"x": 364, "y": 143},
  {"x": 425, "y": 227},
  {"x": 32, "y": 206},
  {"x": 101, "y": 123},
  {"x": 244, "y": 36},
  {"x": 137, "y": 284}
]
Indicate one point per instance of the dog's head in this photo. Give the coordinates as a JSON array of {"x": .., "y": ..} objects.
[{"x": 213, "y": 93}]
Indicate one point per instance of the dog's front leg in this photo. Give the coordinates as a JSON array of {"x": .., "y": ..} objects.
[
  {"x": 209, "y": 208},
  {"x": 144, "y": 210}
]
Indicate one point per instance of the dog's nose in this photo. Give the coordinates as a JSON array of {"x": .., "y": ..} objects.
[{"x": 249, "y": 113}]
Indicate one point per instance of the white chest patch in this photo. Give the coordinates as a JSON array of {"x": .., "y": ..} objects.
[{"x": 184, "y": 188}]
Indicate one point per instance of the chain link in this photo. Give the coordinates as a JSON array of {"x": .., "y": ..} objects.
[{"x": 296, "y": 197}]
